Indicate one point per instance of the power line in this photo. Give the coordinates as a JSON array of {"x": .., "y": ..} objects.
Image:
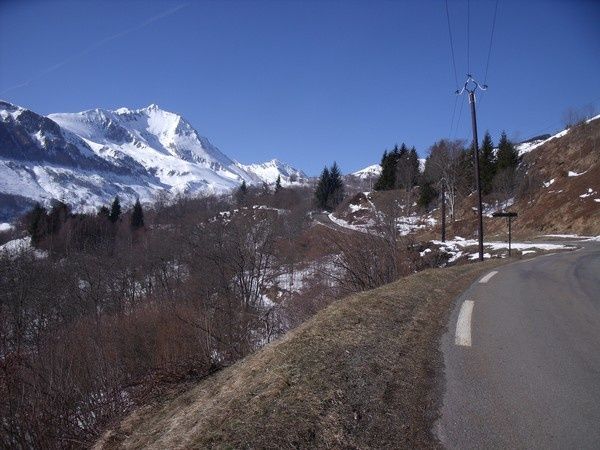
[
  {"x": 451, "y": 45},
  {"x": 453, "y": 114},
  {"x": 459, "y": 117},
  {"x": 480, "y": 100},
  {"x": 487, "y": 66}
]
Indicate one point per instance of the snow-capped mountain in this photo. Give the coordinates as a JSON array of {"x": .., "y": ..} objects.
[
  {"x": 368, "y": 172},
  {"x": 374, "y": 170},
  {"x": 87, "y": 158},
  {"x": 268, "y": 172}
]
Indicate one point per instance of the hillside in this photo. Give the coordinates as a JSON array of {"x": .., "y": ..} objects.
[
  {"x": 268, "y": 172},
  {"x": 556, "y": 190},
  {"x": 361, "y": 374},
  {"x": 85, "y": 159},
  {"x": 565, "y": 174}
]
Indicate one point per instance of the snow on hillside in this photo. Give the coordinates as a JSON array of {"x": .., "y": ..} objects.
[
  {"x": 526, "y": 147},
  {"x": 368, "y": 172},
  {"x": 375, "y": 170},
  {"x": 268, "y": 172},
  {"x": 6, "y": 227},
  {"x": 19, "y": 246},
  {"x": 160, "y": 141},
  {"x": 87, "y": 158}
]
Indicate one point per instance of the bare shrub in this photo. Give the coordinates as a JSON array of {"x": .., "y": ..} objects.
[
  {"x": 368, "y": 260},
  {"x": 445, "y": 167},
  {"x": 528, "y": 182},
  {"x": 577, "y": 116},
  {"x": 112, "y": 317},
  {"x": 504, "y": 185}
]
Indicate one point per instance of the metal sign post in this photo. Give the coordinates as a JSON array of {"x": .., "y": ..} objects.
[{"x": 509, "y": 216}]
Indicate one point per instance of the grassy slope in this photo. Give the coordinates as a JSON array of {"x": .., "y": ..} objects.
[
  {"x": 559, "y": 207},
  {"x": 363, "y": 373}
]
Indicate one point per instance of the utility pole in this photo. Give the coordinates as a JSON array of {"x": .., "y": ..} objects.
[
  {"x": 470, "y": 87},
  {"x": 443, "y": 211}
]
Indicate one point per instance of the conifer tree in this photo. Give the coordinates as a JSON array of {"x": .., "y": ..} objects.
[
  {"x": 104, "y": 212},
  {"x": 426, "y": 195},
  {"x": 241, "y": 192},
  {"x": 381, "y": 180},
  {"x": 322, "y": 190},
  {"x": 330, "y": 188},
  {"x": 137, "y": 216},
  {"x": 278, "y": 184},
  {"x": 115, "y": 210},
  {"x": 336, "y": 187},
  {"x": 387, "y": 179},
  {"x": 413, "y": 161},
  {"x": 401, "y": 153},
  {"x": 37, "y": 223},
  {"x": 508, "y": 157},
  {"x": 487, "y": 163},
  {"x": 58, "y": 215}
]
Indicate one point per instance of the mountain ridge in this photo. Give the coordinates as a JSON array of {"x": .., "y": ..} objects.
[{"x": 86, "y": 158}]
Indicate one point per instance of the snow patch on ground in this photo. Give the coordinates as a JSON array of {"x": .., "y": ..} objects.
[
  {"x": 6, "y": 227},
  {"x": 575, "y": 174},
  {"x": 355, "y": 208},
  {"x": 408, "y": 224},
  {"x": 588, "y": 193},
  {"x": 549, "y": 183},
  {"x": 404, "y": 224},
  {"x": 344, "y": 224},
  {"x": 455, "y": 247},
  {"x": 567, "y": 236},
  {"x": 476, "y": 255},
  {"x": 19, "y": 246}
]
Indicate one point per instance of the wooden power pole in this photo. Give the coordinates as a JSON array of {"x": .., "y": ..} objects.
[{"x": 470, "y": 87}]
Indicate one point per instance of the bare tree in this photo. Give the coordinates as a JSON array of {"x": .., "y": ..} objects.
[
  {"x": 504, "y": 185},
  {"x": 444, "y": 167},
  {"x": 577, "y": 116}
]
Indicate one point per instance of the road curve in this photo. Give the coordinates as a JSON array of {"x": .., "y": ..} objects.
[{"x": 529, "y": 374}]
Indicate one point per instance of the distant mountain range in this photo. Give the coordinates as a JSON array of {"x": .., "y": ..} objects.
[{"x": 85, "y": 159}]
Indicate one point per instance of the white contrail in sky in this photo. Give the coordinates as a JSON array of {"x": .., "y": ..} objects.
[{"x": 94, "y": 46}]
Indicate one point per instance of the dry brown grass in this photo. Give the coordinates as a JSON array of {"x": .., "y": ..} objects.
[
  {"x": 559, "y": 207},
  {"x": 363, "y": 373}
]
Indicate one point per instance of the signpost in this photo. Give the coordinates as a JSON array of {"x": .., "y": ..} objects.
[{"x": 510, "y": 216}]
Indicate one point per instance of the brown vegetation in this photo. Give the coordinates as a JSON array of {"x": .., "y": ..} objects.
[
  {"x": 115, "y": 315},
  {"x": 360, "y": 374}
]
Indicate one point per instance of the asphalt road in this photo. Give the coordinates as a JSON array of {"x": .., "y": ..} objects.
[{"x": 530, "y": 377}]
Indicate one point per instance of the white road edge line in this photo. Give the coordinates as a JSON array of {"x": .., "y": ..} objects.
[
  {"x": 463, "y": 324},
  {"x": 487, "y": 278}
]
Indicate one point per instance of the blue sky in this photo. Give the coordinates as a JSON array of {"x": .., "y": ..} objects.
[{"x": 308, "y": 82}]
